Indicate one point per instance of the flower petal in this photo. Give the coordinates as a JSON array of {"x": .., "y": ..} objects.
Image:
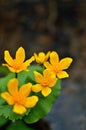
[
  {"x": 10, "y": 68},
  {"x": 41, "y": 55},
  {"x": 13, "y": 86},
  {"x": 54, "y": 58},
  {"x": 47, "y": 55},
  {"x": 47, "y": 73},
  {"x": 7, "y": 97},
  {"x": 8, "y": 58},
  {"x": 65, "y": 63},
  {"x": 36, "y": 88},
  {"x": 48, "y": 65},
  {"x": 62, "y": 74},
  {"x": 52, "y": 81},
  {"x": 50, "y": 77},
  {"x": 35, "y": 55},
  {"x": 46, "y": 91},
  {"x": 20, "y": 55},
  {"x": 38, "y": 76},
  {"x": 25, "y": 89},
  {"x": 40, "y": 58},
  {"x": 19, "y": 109},
  {"x": 31, "y": 101},
  {"x": 27, "y": 62}
]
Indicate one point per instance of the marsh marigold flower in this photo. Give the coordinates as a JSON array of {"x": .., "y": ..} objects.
[
  {"x": 58, "y": 67},
  {"x": 19, "y": 98},
  {"x": 44, "y": 82},
  {"x": 17, "y": 64},
  {"x": 41, "y": 57}
]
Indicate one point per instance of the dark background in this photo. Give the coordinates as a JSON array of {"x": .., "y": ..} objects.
[{"x": 47, "y": 25}]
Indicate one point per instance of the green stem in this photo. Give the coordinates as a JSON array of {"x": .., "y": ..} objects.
[{"x": 16, "y": 75}]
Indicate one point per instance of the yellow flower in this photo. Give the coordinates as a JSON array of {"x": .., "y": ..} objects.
[
  {"x": 17, "y": 64},
  {"x": 45, "y": 82},
  {"x": 57, "y": 66},
  {"x": 41, "y": 57},
  {"x": 19, "y": 98}
]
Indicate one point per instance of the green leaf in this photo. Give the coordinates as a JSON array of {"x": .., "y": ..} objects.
[
  {"x": 2, "y": 101},
  {"x": 42, "y": 108},
  {"x": 44, "y": 105},
  {"x": 3, "y": 121},
  {"x": 18, "y": 125},
  {"x": 4, "y": 81},
  {"x": 24, "y": 76},
  {"x": 4, "y": 70},
  {"x": 6, "y": 111}
]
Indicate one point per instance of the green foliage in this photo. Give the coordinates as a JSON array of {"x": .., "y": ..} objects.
[
  {"x": 3, "y": 121},
  {"x": 4, "y": 70},
  {"x": 6, "y": 111},
  {"x": 28, "y": 76},
  {"x": 18, "y": 125},
  {"x": 17, "y": 108},
  {"x": 4, "y": 81},
  {"x": 43, "y": 106}
]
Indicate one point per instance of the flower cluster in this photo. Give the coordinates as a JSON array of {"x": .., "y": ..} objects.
[{"x": 31, "y": 87}]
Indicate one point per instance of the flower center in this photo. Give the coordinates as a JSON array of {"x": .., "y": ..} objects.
[
  {"x": 16, "y": 64},
  {"x": 56, "y": 69},
  {"x": 45, "y": 83},
  {"x": 19, "y": 100}
]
